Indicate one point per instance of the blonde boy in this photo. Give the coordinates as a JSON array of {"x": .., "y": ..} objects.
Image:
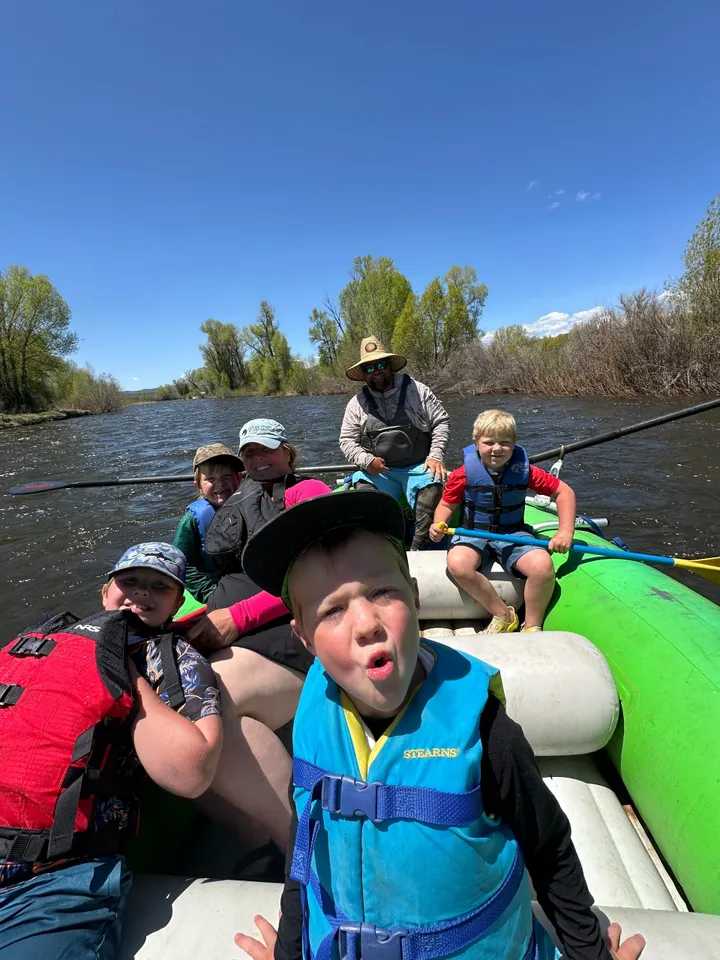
[
  {"x": 417, "y": 801},
  {"x": 491, "y": 486}
]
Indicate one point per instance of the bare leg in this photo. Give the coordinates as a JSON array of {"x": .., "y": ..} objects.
[
  {"x": 252, "y": 779},
  {"x": 462, "y": 562},
  {"x": 538, "y": 569},
  {"x": 253, "y": 686}
]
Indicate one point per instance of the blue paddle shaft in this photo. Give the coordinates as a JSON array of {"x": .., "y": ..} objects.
[{"x": 575, "y": 548}]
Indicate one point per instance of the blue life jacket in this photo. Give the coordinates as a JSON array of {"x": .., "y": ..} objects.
[
  {"x": 203, "y": 511},
  {"x": 394, "y": 852},
  {"x": 492, "y": 504}
]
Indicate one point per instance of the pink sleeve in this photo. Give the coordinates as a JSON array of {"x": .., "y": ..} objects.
[
  {"x": 305, "y": 490},
  {"x": 256, "y": 611}
]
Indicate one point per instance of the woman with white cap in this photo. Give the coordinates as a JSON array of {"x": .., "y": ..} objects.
[{"x": 260, "y": 663}]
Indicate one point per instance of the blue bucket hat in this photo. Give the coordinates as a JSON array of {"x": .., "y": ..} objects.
[
  {"x": 163, "y": 557},
  {"x": 268, "y": 433}
]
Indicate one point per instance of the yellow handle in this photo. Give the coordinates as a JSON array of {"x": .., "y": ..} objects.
[{"x": 444, "y": 528}]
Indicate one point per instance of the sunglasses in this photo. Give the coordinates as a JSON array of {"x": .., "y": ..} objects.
[{"x": 372, "y": 367}]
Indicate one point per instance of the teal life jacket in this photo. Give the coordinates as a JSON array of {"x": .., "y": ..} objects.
[
  {"x": 203, "y": 511},
  {"x": 396, "y": 858}
]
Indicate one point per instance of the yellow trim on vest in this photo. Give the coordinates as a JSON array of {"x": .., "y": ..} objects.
[
  {"x": 496, "y": 688},
  {"x": 357, "y": 734}
]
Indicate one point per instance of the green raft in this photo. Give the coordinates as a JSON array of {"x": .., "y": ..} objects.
[{"x": 662, "y": 642}]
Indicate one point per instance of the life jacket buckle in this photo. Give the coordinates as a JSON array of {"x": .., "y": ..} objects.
[
  {"x": 10, "y": 694},
  {"x": 352, "y": 798},
  {"x": 374, "y": 942},
  {"x": 32, "y": 647}
]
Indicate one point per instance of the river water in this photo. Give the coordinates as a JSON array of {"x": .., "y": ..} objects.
[{"x": 659, "y": 487}]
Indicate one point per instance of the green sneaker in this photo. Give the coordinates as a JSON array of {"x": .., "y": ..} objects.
[{"x": 497, "y": 625}]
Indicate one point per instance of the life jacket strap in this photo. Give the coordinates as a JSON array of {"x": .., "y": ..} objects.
[
  {"x": 366, "y": 941},
  {"x": 350, "y": 797}
]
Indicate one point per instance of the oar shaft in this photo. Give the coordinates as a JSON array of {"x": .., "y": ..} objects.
[
  {"x": 624, "y": 431},
  {"x": 575, "y": 548},
  {"x": 188, "y": 478}
]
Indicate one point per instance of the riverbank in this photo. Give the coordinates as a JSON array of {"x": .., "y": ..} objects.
[{"x": 8, "y": 420}]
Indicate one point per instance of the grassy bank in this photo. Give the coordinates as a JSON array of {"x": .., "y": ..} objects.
[{"x": 8, "y": 420}]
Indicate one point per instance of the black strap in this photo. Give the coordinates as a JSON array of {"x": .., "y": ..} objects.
[
  {"x": 60, "y": 840},
  {"x": 278, "y": 492},
  {"x": 10, "y": 693},
  {"x": 23, "y": 845},
  {"x": 171, "y": 673},
  {"x": 32, "y": 647}
]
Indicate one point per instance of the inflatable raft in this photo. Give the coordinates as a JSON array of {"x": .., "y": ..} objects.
[
  {"x": 628, "y": 671},
  {"x": 563, "y": 693}
]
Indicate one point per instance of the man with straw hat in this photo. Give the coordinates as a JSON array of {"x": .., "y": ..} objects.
[{"x": 395, "y": 431}]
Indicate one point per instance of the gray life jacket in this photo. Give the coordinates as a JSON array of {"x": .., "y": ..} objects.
[
  {"x": 242, "y": 515},
  {"x": 398, "y": 441}
]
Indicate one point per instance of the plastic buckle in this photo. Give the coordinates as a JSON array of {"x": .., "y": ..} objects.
[
  {"x": 355, "y": 798},
  {"x": 9, "y": 694},
  {"x": 375, "y": 943},
  {"x": 30, "y": 646}
]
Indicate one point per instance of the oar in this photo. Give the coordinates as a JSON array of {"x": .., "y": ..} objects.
[
  {"x": 44, "y": 486},
  {"x": 708, "y": 567},
  {"x": 624, "y": 431}
]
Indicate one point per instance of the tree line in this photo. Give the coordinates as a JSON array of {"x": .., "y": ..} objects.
[{"x": 647, "y": 344}]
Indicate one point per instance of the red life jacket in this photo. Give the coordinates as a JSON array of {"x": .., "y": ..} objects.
[{"x": 66, "y": 711}]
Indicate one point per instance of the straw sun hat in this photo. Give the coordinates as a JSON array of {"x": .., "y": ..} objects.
[{"x": 372, "y": 350}]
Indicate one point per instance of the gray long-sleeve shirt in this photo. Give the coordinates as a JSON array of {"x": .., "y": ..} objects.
[{"x": 423, "y": 408}]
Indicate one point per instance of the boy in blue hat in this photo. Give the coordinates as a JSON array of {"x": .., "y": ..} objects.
[{"x": 418, "y": 802}]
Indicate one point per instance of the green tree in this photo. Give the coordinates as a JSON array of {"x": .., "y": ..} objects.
[
  {"x": 98, "y": 393},
  {"x": 701, "y": 280},
  {"x": 271, "y": 358},
  {"x": 224, "y": 354},
  {"x": 432, "y": 329},
  {"x": 34, "y": 336},
  {"x": 325, "y": 334},
  {"x": 373, "y": 300}
]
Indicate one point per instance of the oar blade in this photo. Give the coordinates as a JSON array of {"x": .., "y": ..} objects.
[
  {"x": 707, "y": 567},
  {"x": 38, "y": 486}
]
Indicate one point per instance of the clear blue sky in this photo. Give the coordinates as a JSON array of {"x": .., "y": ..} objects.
[{"x": 165, "y": 162}]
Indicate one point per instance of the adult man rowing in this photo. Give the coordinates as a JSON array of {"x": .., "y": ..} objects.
[{"x": 395, "y": 430}]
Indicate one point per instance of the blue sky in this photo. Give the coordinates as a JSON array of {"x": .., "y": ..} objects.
[{"x": 167, "y": 162}]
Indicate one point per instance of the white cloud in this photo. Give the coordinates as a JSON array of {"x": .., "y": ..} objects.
[
  {"x": 533, "y": 183},
  {"x": 582, "y": 195},
  {"x": 136, "y": 378},
  {"x": 552, "y": 206},
  {"x": 596, "y": 196},
  {"x": 556, "y": 323},
  {"x": 559, "y": 193}
]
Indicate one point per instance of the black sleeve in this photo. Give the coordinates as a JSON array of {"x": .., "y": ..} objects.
[
  {"x": 513, "y": 790},
  {"x": 289, "y": 941}
]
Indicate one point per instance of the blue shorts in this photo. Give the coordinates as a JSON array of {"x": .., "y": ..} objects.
[
  {"x": 74, "y": 912},
  {"x": 399, "y": 481},
  {"x": 506, "y": 554}
]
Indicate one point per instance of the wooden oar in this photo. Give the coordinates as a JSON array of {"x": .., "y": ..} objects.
[
  {"x": 45, "y": 486},
  {"x": 708, "y": 567}
]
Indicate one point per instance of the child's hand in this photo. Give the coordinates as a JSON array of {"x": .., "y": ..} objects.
[
  {"x": 560, "y": 543},
  {"x": 437, "y": 531},
  {"x": 256, "y": 948},
  {"x": 630, "y": 950}
]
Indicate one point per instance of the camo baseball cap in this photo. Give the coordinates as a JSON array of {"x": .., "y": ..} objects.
[
  {"x": 212, "y": 450},
  {"x": 163, "y": 557}
]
